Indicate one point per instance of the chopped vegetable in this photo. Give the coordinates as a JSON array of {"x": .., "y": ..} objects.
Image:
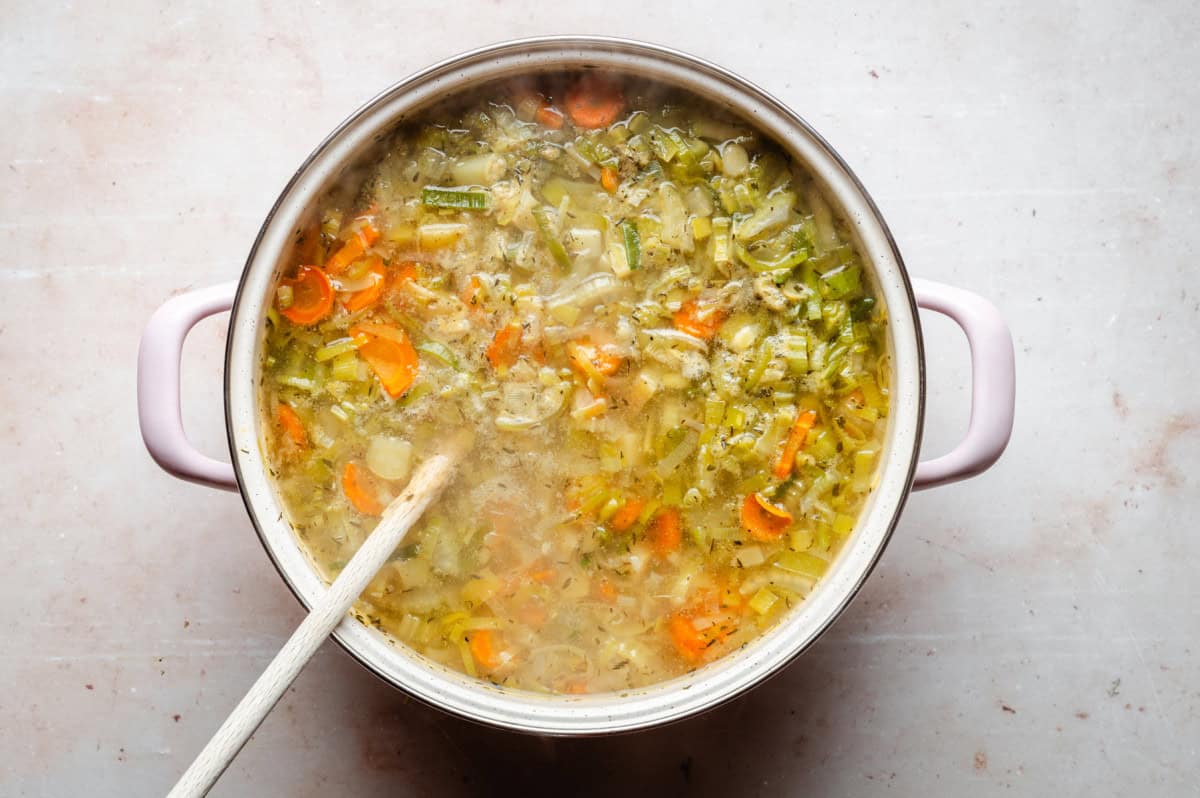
[
  {"x": 292, "y": 424},
  {"x": 390, "y": 355},
  {"x": 625, "y": 518},
  {"x": 358, "y": 493},
  {"x": 484, "y": 649},
  {"x": 505, "y": 347},
  {"x": 455, "y": 198},
  {"x": 594, "y": 102},
  {"x": 633, "y": 245},
  {"x": 551, "y": 117},
  {"x": 551, "y": 240},
  {"x": 353, "y": 249},
  {"x": 793, "y": 444},
  {"x": 764, "y": 520},
  {"x": 609, "y": 179},
  {"x": 699, "y": 318},
  {"x": 366, "y": 297},
  {"x": 666, "y": 531},
  {"x": 312, "y": 296}
]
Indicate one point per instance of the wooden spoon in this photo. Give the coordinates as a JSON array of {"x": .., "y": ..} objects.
[{"x": 399, "y": 516}]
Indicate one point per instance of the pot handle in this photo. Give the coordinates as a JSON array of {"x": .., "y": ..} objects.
[
  {"x": 993, "y": 384},
  {"x": 159, "y": 412}
]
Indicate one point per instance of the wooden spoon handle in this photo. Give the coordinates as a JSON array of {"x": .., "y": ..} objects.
[{"x": 326, "y": 614}]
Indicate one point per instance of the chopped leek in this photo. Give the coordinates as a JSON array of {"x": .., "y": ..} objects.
[
  {"x": 455, "y": 198},
  {"x": 551, "y": 240},
  {"x": 633, "y": 245}
]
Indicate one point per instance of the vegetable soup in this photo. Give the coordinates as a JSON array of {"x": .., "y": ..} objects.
[{"x": 663, "y": 338}]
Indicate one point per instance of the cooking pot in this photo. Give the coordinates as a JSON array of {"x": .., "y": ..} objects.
[{"x": 992, "y": 395}]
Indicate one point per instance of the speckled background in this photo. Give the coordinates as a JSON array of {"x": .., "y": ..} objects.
[{"x": 1032, "y": 630}]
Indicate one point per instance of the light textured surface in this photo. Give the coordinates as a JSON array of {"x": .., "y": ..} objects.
[{"x": 1031, "y": 630}]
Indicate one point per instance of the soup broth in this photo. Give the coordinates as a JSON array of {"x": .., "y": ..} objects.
[{"x": 664, "y": 339}]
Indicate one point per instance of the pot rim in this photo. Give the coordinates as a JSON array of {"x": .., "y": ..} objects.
[{"x": 556, "y": 715}]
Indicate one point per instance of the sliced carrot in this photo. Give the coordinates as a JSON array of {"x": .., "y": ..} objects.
[
  {"x": 549, "y": 116},
  {"x": 794, "y": 443},
  {"x": 764, "y": 520},
  {"x": 695, "y": 645},
  {"x": 594, "y": 101},
  {"x": 609, "y": 179},
  {"x": 666, "y": 531},
  {"x": 391, "y": 355},
  {"x": 576, "y": 687},
  {"x": 607, "y": 592},
  {"x": 366, "y": 235},
  {"x": 482, "y": 643},
  {"x": 688, "y": 641},
  {"x": 406, "y": 270},
  {"x": 292, "y": 425},
  {"x": 505, "y": 347},
  {"x": 368, "y": 296},
  {"x": 594, "y": 361},
  {"x": 312, "y": 296},
  {"x": 624, "y": 519},
  {"x": 358, "y": 493},
  {"x": 470, "y": 293},
  {"x": 701, "y": 319}
]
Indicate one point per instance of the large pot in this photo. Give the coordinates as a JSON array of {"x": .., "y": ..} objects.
[{"x": 992, "y": 396}]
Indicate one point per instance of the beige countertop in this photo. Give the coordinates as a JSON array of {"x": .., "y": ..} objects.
[{"x": 1031, "y": 630}]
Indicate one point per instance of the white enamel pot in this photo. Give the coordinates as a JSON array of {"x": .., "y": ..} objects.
[{"x": 992, "y": 396}]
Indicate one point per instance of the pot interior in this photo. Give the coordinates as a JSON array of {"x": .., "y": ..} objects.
[{"x": 351, "y": 148}]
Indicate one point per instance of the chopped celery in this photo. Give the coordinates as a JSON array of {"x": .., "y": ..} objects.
[
  {"x": 795, "y": 352},
  {"x": 860, "y": 309},
  {"x": 764, "y": 600},
  {"x": 803, "y": 563},
  {"x": 841, "y": 281},
  {"x": 721, "y": 226},
  {"x": 701, "y": 227},
  {"x": 455, "y": 198},
  {"x": 345, "y": 367},
  {"x": 299, "y": 383},
  {"x": 786, "y": 263},
  {"x": 714, "y": 412},
  {"x": 335, "y": 348},
  {"x": 766, "y": 353},
  {"x": 801, "y": 538},
  {"x": 440, "y": 351},
  {"x": 551, "y": 240},
  {"x": 633, "y": 244},
  {"x": 439, "y": 235}
]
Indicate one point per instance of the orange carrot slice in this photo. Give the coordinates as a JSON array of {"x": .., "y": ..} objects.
[
  {"x": 549, "y": 116},
  {"x": 505, "y": 347},
  {"x": 764, "y": 520},
  {"x": 666, "y": 532},
  {"x": 358, "y": 493},
  {"x": 794, "y": 443},
  {"x": 366, "y": 235},
  {"x": 609, "y": 179},
  {"x": 292, "y": 424},
  {"x": 312, "y": 296},
  {"x": 594, "y": 102},
  {"x": 365, "y": 298},
  {"x": 701, "y": 319},
  {"x": 594, "y": 361},
  {"x": 483, "y": 647},
  {"x": 391, "y": 355},
  {"x": 624, "y": 519}
]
